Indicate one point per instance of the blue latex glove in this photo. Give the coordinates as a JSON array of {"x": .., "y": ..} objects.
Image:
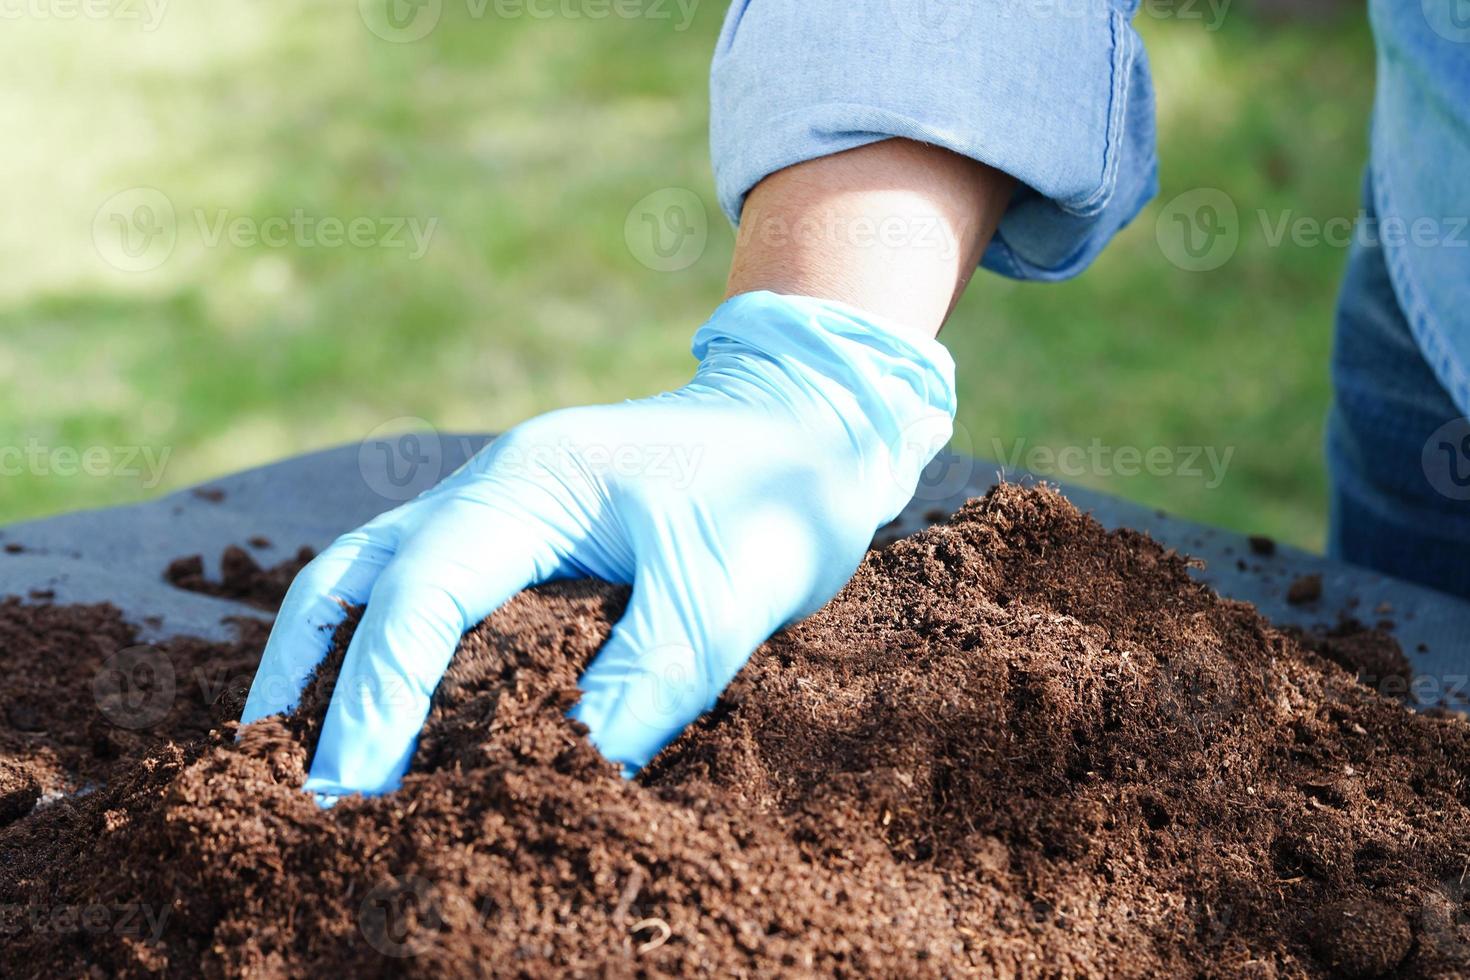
[{"x": 734, "y": 505}]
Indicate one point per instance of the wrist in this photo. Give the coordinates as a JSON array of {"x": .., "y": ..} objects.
[
  {"x": 894, "y": 228},
  {"x": 892, "y": 391}
]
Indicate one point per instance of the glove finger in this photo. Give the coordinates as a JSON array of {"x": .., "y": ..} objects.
[
  {"x": 665, "y": 664},
  {"x": 339, "y": 577},
  {"x": 466, "y": 558}
]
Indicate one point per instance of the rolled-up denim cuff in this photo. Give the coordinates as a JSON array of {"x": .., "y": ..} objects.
[{"x": 1057, "y": 95}]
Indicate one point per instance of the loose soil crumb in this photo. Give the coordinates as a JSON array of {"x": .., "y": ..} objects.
[
  {"x": 1014, "y": 745},
  {"x": 1304, "y": 589},
  {"x": 1262, "y": 545},
  {"x": 241, "y": 576}
]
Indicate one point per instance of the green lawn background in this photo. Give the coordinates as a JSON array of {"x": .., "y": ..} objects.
[{"x": 528, "y": 141}]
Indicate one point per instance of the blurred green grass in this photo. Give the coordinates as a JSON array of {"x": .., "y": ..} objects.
[{"x": 528, "y": 141}]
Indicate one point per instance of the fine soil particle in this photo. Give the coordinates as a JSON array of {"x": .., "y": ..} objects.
[
  {"x": 213, "y": 495},
  {"x": 1304, "y": 589},
  {"x": 241, "y": 576},
  {"x": 1014, "y": 745},
  {"x": 1262, "y": 545}
]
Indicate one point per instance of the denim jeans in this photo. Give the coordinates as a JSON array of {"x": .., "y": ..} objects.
[{"x": 1398, "y": 449}]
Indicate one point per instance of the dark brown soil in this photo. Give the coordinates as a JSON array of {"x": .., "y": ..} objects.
[
  {"x": 1368, "y": 651},
  {"x": 19, "y": 791},
  {"x": 1014, "y": 745},
  {"x": 80, "y": 696},
  {"x": 241, "y": 576}
]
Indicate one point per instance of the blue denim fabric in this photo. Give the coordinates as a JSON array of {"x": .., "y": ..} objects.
[
  {"x": 1398, "y": 447},
  {"x": 1421, "y": 175},
  {"x": 1055, "y": 93}
]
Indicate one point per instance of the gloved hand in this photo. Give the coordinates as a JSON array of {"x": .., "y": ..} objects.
[{"x": 734, "y": 505}]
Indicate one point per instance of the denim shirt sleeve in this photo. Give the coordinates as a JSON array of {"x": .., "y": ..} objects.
[
  {"x": 1420, "y": 178},
  {"x": 1054, "y": 92}
]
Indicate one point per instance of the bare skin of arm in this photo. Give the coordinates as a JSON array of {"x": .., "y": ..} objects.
[{"x": 894, "y": 228}]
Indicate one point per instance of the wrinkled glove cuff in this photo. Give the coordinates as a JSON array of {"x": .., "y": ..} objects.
[{"x": 893, "y": 390}]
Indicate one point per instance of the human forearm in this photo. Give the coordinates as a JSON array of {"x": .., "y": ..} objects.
[{"x": 895, "y": 228}]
